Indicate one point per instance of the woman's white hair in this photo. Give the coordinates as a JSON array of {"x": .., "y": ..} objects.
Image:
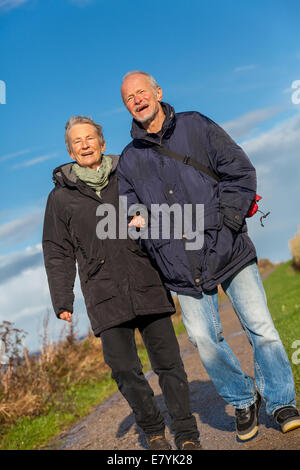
[{"x": 81, "y": 120}]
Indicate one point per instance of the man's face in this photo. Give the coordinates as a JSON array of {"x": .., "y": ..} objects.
[
  {"x": 141, "y": 100},
  {"x": 85, "y": 145}
]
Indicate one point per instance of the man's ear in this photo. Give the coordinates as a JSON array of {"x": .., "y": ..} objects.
[
  {"x": 103, "y": 147},
  {"x": 159, "y": 93},
  {"x": 71, "y": 156}
]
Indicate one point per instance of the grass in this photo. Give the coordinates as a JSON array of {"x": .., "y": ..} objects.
[
  {"x": 35, "y": 433},
  {"x": 283, "y": 292},
  {"x": 62, "y": 393}
]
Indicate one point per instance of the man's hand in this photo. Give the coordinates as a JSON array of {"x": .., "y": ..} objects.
[
  {"x": 137, "y": 221},
  {"x": 67, "y": 316}
]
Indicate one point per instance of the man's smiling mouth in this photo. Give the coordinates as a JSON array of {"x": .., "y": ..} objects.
[{"x": 141, "y": 108}]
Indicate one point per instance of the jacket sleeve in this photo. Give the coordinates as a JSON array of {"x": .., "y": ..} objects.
[
  {"x": 238, "y": 176},
  {"x": 59, "y": 258},
  {"x": 126, "y": 187}
]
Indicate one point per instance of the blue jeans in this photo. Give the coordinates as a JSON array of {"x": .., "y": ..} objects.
[{"x": 273, "y": 374}]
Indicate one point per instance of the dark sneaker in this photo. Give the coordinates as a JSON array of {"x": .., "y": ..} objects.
[
  {"x": 158, "y": 443},
  {"x": 190, "y": 445},
  {"x": 246, "y": 420},
  {"x": 288, "y": 418}
]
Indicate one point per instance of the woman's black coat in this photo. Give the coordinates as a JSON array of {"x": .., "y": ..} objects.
[{"x": 117, "y": 279}]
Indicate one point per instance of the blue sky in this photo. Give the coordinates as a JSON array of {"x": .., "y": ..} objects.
[{"x": 234, "y": 61}]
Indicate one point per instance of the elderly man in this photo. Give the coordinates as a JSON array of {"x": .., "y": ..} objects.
[
  {"x": 121, "y": 288},
  {"x": 161, "y": 166}
]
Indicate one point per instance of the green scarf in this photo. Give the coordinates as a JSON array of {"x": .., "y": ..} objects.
[{"x": 95, "y": 179}]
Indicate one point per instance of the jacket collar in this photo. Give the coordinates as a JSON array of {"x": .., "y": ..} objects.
[
  {"x": 64, "y": 175},
  {"x": 139, "y": 133}
]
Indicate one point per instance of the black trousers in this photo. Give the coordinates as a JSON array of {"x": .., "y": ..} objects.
[{"x": 120, "y": 353}]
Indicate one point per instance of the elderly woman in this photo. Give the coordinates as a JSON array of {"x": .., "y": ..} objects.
[{"x": 122, "y": 289}]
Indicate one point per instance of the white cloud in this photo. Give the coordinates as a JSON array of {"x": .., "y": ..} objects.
[
  {"x": 35, "y": 161},
  {"x": 6, "y": 5},
  {"x": 15, "y": 263},
  {"x": 14, "y": 155},
  {"x": 25, "y": 299},
  {"x": 113, "y": 111},
  {"x": 33, "y": 296},
  {"x": 262, "y": 170},
  {"x": 244, "y": 124},
  {"x": 279, "y": 143},
  {"x": 292, "y": 87},
  {"x": 275, "y": 154},
  {"x": 244, "y": 68},
  {"x": 21, "y": 229}
]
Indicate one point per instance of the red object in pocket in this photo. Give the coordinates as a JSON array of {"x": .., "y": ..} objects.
[{"x": 254, "y": 207}]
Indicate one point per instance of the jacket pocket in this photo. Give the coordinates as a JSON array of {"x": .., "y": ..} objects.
[
  {"x": 210, "y": 256},
  {"x": 170, "y": 257},
  {"x": 162, "y": 248},
  {"x": 212, "y": 224},
  {"x": 148, "y": 276},
  {"x": 100, "y": 286},
  {"x": 220, "y": 254},
  {"x": 138, "y": 252},
  {"x": 95, "y": 266},
  {"x": 213, "y": 219}
]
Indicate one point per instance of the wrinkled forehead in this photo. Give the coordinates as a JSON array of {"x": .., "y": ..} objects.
[
  {"x": 82, "y": 130},
  {"x": 134, "y": 83}
]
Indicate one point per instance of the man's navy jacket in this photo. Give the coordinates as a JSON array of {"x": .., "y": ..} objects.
[{"x": 147, "y": 177}]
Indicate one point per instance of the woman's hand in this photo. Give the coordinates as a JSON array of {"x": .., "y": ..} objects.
[{"x": 67, "y": 316}]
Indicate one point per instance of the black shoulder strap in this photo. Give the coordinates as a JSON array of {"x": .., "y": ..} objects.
[{"x": 186, "y": 160}]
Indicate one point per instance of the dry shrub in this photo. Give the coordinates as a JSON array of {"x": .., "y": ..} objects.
[
  {"x": 30, "y": 385},
  {"x": 294, "y": 245},
  {"x": 264, "y": 264}
]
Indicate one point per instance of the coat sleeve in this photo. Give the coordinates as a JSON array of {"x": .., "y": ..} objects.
[
  {"x": 59, "y": 258},
  {"x": 126, "y": 187},
  {"x": 238, "y": 176}
]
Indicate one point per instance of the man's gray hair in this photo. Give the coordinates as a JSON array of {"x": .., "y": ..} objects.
[
  {"x": 81, "y": 120},
  {"x": 151, "y": 79}
]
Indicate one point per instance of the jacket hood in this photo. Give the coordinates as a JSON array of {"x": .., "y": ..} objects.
[
  {"x": 64, "y": 175},
  {"x": 139, "y": 133}
]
